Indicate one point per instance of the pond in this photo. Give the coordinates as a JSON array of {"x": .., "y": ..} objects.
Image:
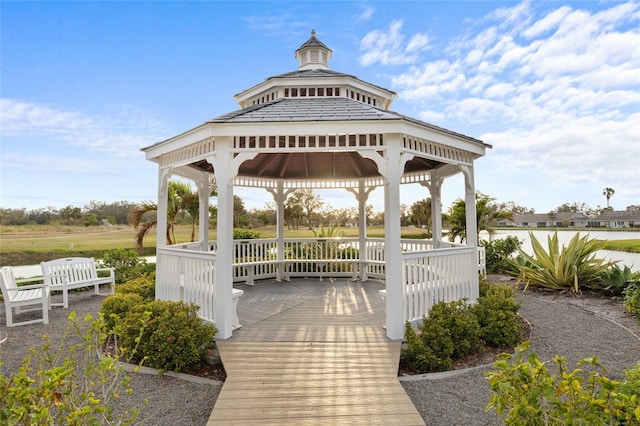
[{"x": 632, "y": 260}]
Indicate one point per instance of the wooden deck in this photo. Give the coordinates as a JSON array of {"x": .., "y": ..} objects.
[{"x": 312, "y": 353}]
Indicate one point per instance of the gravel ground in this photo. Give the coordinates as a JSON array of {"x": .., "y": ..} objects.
[{"x": 560, "y": 326}]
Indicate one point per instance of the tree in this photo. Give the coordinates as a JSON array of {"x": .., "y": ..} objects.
[
  {"x": 515, "y": 208},
  {"x": 180, "y": 200},
  {"x": 302, "y": 203},
  {"x": 608, "y": 193},
  {"x": 574, "y": 208},
  {"x": 69, "y": 214},
  {"x": 487, "y": 213},
  {"x": 420, "y": 214}
]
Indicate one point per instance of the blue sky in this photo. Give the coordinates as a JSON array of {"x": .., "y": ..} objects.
[{"x": 553, "y": 86}]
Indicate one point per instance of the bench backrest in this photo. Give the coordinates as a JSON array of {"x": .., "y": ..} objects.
[{"x": 76, "y": 269}]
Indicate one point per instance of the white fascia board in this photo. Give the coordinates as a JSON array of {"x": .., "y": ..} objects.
[
  {"x": 300, "y": 128},
  {"x": 444, "y": 138},
  {"x": 177, "y": 142}
]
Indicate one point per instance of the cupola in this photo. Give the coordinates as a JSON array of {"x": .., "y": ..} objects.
[{"x": 313, "y": 54}]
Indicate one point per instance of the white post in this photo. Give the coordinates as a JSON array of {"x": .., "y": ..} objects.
[
  {"x": 222, "y": 164},
  {"x": 163, "y": 203},
  {"x": 435, "y": 188},
  {"x": 362, "y": 195},
  {"x": 395, "y": 162},
  {"x": 203, "y": 224},
  {"x": 470, "y": 206},
  {"x": 279, "y": 197}
]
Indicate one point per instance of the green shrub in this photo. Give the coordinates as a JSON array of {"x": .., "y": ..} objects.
[
  {"x": 166, "y": 335},
  {"x": 245, "y": 234},
  {"x": 128, "y": 264},
  {"x": 497, "y": 314},
  {"x": 525, "y": 392},
  {"x": 429, "y": 351},
  {"x": 562, "y": 268},
  {"x": 66, "y": 384},
  {"x": 615, "y": 279},
  {"x": 117, "y": 306},
  {"x": 499, "y": 253},
  {"x": 458, "y": 318},
  {"x": 632, "y": 299},
  {"x": 144, "y": 286}
]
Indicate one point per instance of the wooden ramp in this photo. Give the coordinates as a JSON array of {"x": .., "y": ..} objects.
[{"x": 313, "y": 360}]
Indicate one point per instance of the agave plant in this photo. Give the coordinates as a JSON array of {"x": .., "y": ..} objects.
[{"x": 562, "y": 268}]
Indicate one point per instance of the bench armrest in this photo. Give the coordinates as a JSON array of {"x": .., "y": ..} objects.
[
  {"x": 28, "y": 287},
  {"x": 112, "y": 271},
  {"x": 28, "y": 280}
]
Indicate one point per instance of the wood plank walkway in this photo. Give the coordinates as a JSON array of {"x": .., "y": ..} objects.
[{"x": 312, "y": 353}]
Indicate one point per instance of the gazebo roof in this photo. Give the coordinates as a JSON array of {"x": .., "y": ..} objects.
[{"x": 315, "y": 123}]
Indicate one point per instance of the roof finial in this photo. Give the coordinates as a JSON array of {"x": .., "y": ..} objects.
[{"x": 313, "y": 33}]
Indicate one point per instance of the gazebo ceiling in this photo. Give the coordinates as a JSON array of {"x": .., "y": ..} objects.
[{"x": 316, "y": 165}]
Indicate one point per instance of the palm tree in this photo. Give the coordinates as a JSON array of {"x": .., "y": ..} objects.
[
  {"x": 179, "y": 200},
  {"x": 487, "y": 213},
  {"x": 608, "y": 192}
]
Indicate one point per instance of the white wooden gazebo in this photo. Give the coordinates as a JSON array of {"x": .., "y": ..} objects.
[{"x": 316, "y": 128}]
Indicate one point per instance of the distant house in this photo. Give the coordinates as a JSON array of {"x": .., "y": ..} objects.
[
  {"x": 617, "y": 219},
  {"x": 546, "y": 220}
]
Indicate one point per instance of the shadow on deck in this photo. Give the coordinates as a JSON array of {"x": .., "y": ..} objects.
[{"x": 312, "y": 352}]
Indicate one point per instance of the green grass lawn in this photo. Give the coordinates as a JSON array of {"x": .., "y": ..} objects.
[
  {"x": 632, "y": 246},
  {"x": 32, "y": 244}
]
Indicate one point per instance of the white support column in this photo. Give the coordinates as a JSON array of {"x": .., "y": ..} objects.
[
  {"x": 470, "y": 206},
  {"x": 222, "y": 165},
  {"x": 435, "y": 190},
  {"x": 279, "y": 197},
  {"x": 204, "y": 191},
  {"x": 162, "y": 206},
  {"x": 395, "y": 162},
  {"x": 362, "y": 195}
]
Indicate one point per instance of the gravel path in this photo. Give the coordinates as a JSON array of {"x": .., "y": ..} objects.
[{"x": 572, "y": 330}]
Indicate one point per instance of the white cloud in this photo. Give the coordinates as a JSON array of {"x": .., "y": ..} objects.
[
  {"x": 366, "y": 14},
  {"x": 553, "y": 89},
  {"x": 388, "y": 47},
  {"x": 119, "y": 132}
]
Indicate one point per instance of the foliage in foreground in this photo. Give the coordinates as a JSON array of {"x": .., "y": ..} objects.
[
  {"x": 128, "y": 264},
  {"x": 632, "y": 299},
  {"x": 156, "y": 333},
  {"x": 66, "y": 385},
  {"x": 562, "y": 268},
  {"x": 455, "y": 329},
  {"x": 526, "y": 392},
  {"x": 499, "y": 253}
]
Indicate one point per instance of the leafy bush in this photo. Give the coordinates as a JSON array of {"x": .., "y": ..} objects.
[
  {"x": 458, "y": 318},
  {"x": 128, "y": 264},
  {"x": 116, "y": 306},
  {"x": 66, "y": 385},
  {"x": 144, "y": 286},
  {"x": 615, "y": 279},
  {"x": 453, "y": 330},
  {"x": 499, "y": 253},
  {"x": 429, "y": 351},
  {"x": 565, "y": 268},
  {"x": 497, "y": 313},
  {"x": 632, "y": 299},
  {"x": 165, "y": 335},
  {"x": 525, "y": 392},
  {"x": 245, "y": 234}
]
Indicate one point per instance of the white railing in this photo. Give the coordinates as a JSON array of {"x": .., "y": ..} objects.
[
  {"x": 438, "y": 275},
  {"x": 187, "y": 275},
  {"x": 429, "y": 275}
]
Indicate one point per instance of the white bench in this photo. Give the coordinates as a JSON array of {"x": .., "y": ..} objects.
[
  {"x": 16, "y": 297},
  {"x": 75, "y": 272}
]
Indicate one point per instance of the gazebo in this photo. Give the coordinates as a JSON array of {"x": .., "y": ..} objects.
[{"x": 315, "y": 128}]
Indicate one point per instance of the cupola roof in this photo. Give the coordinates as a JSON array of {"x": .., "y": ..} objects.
[{"x": 313, "y": 54}]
